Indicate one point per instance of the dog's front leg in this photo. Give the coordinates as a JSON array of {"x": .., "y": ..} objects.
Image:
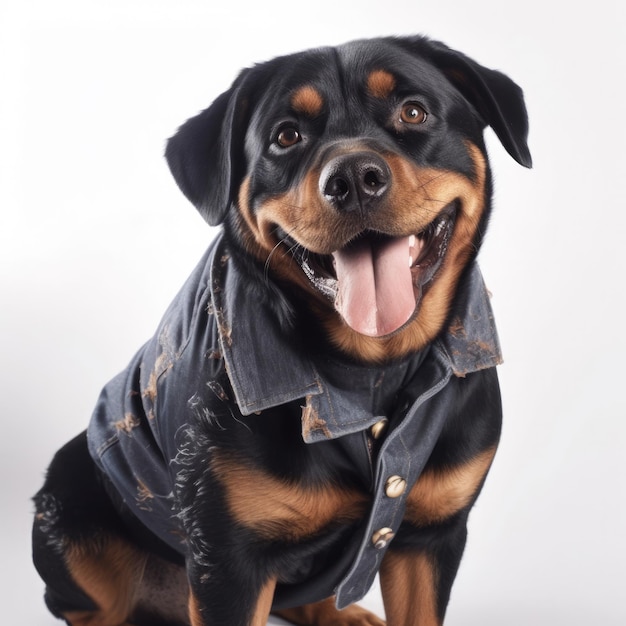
[
  {"x": 409, "y": 586},
  {"x": 218, "y": 599}
]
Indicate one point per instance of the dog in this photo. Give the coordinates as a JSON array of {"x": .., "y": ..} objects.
[{"x": 320, "y": 403}]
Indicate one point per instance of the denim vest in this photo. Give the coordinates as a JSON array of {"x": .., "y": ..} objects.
[{"x": 213, "y": 326}]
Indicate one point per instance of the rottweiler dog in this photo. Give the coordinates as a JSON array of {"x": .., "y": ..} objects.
[{"x": 320, "y": 402}]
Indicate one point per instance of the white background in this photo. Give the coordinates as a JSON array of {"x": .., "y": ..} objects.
[{"x": 95, "y": 239}]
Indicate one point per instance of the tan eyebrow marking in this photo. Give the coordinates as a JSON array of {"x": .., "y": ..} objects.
[
  {"x": 380, "y": 83},
  {"x": 307, "y": 100}
]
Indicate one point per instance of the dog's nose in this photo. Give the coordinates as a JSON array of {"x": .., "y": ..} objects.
[{"x": 355, "y": 181}]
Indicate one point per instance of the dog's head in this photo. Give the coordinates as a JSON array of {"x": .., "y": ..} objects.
[{"x": 358, "y": 174}]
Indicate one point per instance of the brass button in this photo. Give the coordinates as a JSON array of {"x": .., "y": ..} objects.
[
  {"x": 395, "y": 486},
  {"x": 379, "y": 428},
  {"x": 382, "y": 537}
]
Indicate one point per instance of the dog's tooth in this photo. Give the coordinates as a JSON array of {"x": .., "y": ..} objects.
[{"x": 411, "y": 250}]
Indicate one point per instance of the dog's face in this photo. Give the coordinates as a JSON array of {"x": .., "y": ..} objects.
[{"x": 358, "y": 175}]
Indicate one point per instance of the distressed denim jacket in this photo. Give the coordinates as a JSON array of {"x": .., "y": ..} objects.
[{"x": 214, "y": 328}]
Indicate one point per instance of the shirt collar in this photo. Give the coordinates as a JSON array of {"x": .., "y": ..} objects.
[
  {"x": 471, "y": 341},
  {"x": 267, "y": 369}
]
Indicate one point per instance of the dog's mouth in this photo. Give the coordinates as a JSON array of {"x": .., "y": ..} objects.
[{"x": 377, "y": 281}]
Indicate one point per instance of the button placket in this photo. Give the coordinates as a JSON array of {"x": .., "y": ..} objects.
[
  {"x": 395, "y": 459},
  {"x": 390, "y": 499},
  {"x": 384, "y": 520}
]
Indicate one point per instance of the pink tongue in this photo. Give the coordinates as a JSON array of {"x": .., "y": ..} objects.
[{"x": 375, "y": 295}]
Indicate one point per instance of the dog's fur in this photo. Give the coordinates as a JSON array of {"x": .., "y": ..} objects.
[{"x": 302, "y": 160}]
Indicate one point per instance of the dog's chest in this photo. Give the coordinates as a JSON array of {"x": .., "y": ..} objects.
[{"x": 360, "y": 480}]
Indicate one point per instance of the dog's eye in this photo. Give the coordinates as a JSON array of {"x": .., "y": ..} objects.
[
  {"x": 413, "y": 113},
  {"x": 288, "y": 136}
]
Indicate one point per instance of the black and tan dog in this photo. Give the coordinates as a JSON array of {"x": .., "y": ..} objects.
[{"x": 320, "y": 402}]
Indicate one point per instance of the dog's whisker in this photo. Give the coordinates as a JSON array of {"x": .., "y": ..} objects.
[
  {"x": 268, "y": 260},
  {"x": 283, "y": 240}
]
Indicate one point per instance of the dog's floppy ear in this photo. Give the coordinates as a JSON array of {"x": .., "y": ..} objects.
[
  {"x": 206, "y": 157},
  {"x": 498, "y": 100}
]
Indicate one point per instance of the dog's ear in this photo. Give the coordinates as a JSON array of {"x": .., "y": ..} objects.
[
  {"x": 206, "y": 156},
  {"x": 498, "y": 100}
]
